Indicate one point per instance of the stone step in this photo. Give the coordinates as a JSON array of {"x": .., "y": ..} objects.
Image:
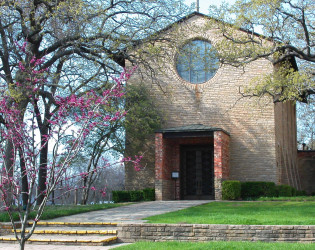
[
  {"x": 71, "y": 230},
  {"x": 64, "y": 239},
  {"x": 73, "y": 224}
]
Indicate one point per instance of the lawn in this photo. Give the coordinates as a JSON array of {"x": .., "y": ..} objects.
[
  {"x": 56, "y": 211},
  {"x": 246, "y": 213},
  {"x": 216, "y": 245}
]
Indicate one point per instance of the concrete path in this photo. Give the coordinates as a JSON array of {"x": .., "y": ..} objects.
[
  {"x": 132, "y": 213},
  {"x": 127, "y": 214}
]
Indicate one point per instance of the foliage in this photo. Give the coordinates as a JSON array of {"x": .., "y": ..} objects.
[
  {"x": 243, "y": 213},
  {"x": 21, "y": 133},
  {"x": 285, "y": 190},
  {"x": 288, "y": 29},
  {"x": 231, "y": 190},
  {"x": 121, "y": 196},
  {"x": 142, "y": 120},
  {"x": 136, "y": 195},
  {"x": 149, "y": 194},
  {"x": 84, "y": 43},
  {"x": 79, "y": 46},
  {"x": 255, "y": 189},
  {"x": 218, "y": 245}
]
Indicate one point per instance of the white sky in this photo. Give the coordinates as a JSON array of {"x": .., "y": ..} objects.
[{"x": 204, "y": 4}]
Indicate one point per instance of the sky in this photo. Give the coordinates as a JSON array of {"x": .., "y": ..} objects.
[{"x": 204, "y": 4}]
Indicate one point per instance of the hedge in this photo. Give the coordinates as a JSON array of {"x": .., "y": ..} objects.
[
  {"x": 136, "y": 195},
  {"x": 231, "y": 190},
  {"x": 121, "y": 196},
  {"x": 286, "y": 191},
  {"x": 256, "y": 189},
  {"x": 147, "y": 194}
]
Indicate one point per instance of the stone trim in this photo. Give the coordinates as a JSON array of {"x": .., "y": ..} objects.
[{"x": 215, "y": 232}]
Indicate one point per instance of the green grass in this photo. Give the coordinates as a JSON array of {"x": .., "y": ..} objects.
[
  {"x": 56, "y": 211},
  {"x": 295, "y": 198},
  {"x": 247, "y": 213},
  {"x": 171, "y": 245}
]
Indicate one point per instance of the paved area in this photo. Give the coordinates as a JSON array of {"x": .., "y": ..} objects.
[
  {"x": 8, "y": 246},
  {"x": 132, "y": 213},
  {"x": 127, "y": 214}
]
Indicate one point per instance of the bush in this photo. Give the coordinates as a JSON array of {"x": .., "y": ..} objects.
[
  {"x": 256, "y": 189},
  {"x": 121, "y": 196},
  {"x": 136, "y": 195},
  {"x": 231, "y": 190},
  {"x": 301, "y": 193},
  {"x": 149, "y": 194},
  {"x": 284, "y": 190}
]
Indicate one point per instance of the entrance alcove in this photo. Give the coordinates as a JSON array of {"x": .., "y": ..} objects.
[{"x": 200, "y": 154}]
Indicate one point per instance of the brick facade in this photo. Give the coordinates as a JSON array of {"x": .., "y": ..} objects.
[
  {"x": 262, "y": 142},
  {"x": 167, "y": 160}
]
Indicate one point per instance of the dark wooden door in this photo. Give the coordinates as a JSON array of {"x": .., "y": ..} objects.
[{"x": 197, "y": 172}]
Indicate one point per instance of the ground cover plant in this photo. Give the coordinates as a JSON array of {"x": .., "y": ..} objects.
[
  {"x": 243, "y": 213},
  {"x": 171, "y": 245},
  {"x": 55, "y": 211}
]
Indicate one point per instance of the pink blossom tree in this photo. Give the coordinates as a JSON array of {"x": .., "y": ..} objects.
[{"x": 19, "y": 181}]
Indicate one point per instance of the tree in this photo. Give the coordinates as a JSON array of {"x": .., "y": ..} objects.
[
  {"x": 84, "y": 43},
  {"x": 22, "y": 134},
  {"x": 288, "y": 35}
]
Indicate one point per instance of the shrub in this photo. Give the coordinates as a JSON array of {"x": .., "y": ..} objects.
[
  {"x": 256, "y": 189},
  {"x": 300, "y": 193},
  {"x": 231, "y": 190},
  {"x": 284, "y": 190},
  {"x": 136, "y": 195},
  {"x": 121, "y": 196},
  {"x": 149, "y": 194}
]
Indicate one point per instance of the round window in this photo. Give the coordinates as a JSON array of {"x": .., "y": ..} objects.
[{"x": 197, "y": 61}]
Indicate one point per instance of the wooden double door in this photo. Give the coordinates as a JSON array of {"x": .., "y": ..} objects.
[{"x": 197, "y": 175}]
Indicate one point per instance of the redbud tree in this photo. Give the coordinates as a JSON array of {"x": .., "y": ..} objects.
[{"x": 72, "y": 119}]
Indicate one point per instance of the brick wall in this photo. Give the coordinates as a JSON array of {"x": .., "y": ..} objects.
[
  {"x": 203, "y": 232},
  {"x": 221, "y": 161},
  {"x": 167, "y": 160},
  {"x": 251, "y": 123}
]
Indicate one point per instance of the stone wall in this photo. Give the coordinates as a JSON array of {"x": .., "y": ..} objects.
[{"x": 202, "y": 232}]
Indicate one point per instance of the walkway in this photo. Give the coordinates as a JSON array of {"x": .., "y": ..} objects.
[
  {"x": 127, "y": 214},
  {"x": 133, "y": 213}
]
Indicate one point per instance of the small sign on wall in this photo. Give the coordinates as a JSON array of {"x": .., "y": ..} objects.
[{"x": 175, "y": 175}]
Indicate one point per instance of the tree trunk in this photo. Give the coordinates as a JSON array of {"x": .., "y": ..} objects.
[
  {"x": 24, "y": 180},
  {"x": 22, "y": 244},
  {"x": 42, "y": 173},
  {"x": 9, "y": 167}
]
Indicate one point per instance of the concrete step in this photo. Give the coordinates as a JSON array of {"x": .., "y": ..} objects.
[
  {"x": 60, "y": 239},
  {"x": 73, "y": 224},
  {"x": 69, "y": 233},
  {"x": 71, "y": 230}
]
